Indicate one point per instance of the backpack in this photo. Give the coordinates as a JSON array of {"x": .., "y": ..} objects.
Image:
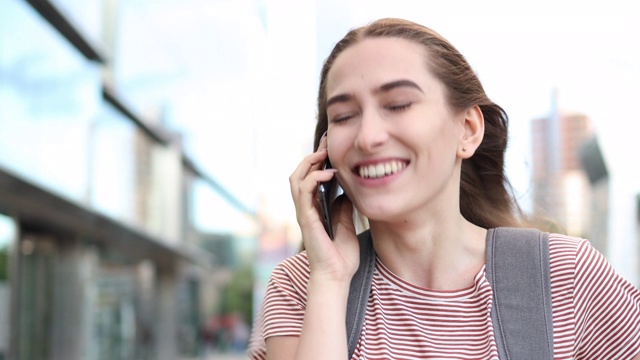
[{"x": 517, "y": 267}]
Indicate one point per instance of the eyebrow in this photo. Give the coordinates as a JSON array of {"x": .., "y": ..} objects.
[
  {"x": 396, "y": 84},
  {"x": 383, "y": 88}
]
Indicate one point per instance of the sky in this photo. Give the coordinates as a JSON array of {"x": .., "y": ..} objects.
[{"x": 243, "y": 77}]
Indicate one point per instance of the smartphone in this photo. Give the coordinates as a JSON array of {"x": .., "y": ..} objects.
[{"x": 328, "y": 191}]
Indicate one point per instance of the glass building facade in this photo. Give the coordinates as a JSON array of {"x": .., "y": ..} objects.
[{"x": 100, "y": 257}]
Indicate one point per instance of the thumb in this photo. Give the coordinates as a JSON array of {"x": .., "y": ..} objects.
[
  {"x": 345, "y": 233},
  {"x": 343, "y": 211}
]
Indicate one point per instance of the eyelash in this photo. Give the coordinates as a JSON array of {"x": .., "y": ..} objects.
[
  {"x": 399, "y": 107},
  {"x": 393, "y": 108},
  {"x": 342, "y": 118}
]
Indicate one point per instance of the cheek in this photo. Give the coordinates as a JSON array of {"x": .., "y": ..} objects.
[
  {"x": 438, "y": 144},
  {"x": 338, "y": 144},
  {"x": 443, "y": 133}
]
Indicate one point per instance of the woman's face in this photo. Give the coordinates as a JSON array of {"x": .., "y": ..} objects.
[{"x": 391, "y": 134}]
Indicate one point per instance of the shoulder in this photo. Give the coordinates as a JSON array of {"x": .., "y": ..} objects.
[
  {"x": 565, "y": 240},
  {"x": 565, "y": 247},
  {"x": 296, "y": 266},
  {"x": 577, "y": 253},
  {"x": 564, "y": 258},
  {"x": 594, "y": 281},
  {"x": 596, "y": 311},
  {"x": 606, "y": 307},
  {"x": 291, "y": 277},
  {"x": 282, "y": 308}
]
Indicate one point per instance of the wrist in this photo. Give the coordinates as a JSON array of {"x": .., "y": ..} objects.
[{"x": 336, "y": 288}]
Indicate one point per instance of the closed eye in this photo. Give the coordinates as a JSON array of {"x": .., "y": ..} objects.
[
  {"x": 399, "y": 107},
  {"x": 343, "y": 118}
]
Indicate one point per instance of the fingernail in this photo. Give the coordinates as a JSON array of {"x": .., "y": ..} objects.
[
  {"x": 323, "y": 137},
  {"x": 321, "y": 146}
]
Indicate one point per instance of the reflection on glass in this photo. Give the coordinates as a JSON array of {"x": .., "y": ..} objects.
[
  {"x": 49, "y": 93},
  {"x": 112, "y": 177},
  {"x": 213, "y": 213}
]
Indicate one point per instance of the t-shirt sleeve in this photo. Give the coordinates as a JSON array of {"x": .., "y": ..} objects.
[
  {"x": 282, "y": 310},
  {"x": 607, "y": 309}
]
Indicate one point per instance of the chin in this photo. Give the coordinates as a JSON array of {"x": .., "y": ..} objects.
[{"x": 378, "y": 212}]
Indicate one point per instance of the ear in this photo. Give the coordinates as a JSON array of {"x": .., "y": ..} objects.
[{"x": 473, "y": 132}]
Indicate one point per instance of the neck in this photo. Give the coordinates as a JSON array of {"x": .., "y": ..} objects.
[{"x": 434, "y": 255}]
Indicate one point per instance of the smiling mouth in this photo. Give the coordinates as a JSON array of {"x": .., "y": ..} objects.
[{"x": 381, "y": 169}]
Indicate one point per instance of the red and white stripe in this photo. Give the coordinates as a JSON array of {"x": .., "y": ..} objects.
[{"x": 596, "y": 313}]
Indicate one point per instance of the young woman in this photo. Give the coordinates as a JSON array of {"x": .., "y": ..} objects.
[{"x": 418, "y": 148}]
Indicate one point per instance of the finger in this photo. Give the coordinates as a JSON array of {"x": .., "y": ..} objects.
[
  {"x": 305, "y": 191},
  {"x": 310, "y": 162},
  {"x": 345, "y": 233},
  {"x": 342, "y": 211},
  {"x": 323, "y": 141},
  {"x": 310, "y": 182}
]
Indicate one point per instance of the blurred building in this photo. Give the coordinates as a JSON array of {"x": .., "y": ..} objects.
[
  {"x": 561, "y": 192},
  {"x": 570, "y": 177},
  {"x": 582, "y": 187},
  {"x": 592, "y": 160},
  {"x": 99, "y": 254}
]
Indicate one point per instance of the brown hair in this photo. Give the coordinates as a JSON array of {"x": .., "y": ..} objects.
[{"x": 486, "y": 197}]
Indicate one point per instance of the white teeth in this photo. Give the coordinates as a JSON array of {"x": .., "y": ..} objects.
[
  {"x": 380, "y": 170},
  {"x": 364, "y": 172}
]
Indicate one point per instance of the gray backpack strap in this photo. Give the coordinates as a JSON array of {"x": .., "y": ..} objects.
[
  {"x": 359, "y": 291},
  {"x": 518, "y": 271}
]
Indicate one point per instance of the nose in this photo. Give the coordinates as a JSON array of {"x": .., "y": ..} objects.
[{"x": 372, "y": 132}]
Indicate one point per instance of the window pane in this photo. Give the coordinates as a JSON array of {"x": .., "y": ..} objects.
[{"x": 49, "y": 94}]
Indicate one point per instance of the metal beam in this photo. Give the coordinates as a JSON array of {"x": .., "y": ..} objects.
[
  {"x": 40, "y": 210},
  {"x": 65, "y": 26},
  {"x": 187, "y": 163},
  {"x": 112, "y": 98}
]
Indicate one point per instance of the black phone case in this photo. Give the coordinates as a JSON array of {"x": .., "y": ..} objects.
[{"x": 326, "y": 194}]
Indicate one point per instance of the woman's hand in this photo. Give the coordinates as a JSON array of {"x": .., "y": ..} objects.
[
  {"x": 335, "y": 260},
  {"x": 332, "y": 263}
]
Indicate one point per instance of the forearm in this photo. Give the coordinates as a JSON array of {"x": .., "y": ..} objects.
[{"x": 324, "y": 331}]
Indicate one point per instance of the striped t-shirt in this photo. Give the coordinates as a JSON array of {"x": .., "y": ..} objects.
[{"x": 596, "y": 313}]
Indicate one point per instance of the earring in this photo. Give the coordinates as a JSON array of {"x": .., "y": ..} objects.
[{"x": 464, "y": 149}]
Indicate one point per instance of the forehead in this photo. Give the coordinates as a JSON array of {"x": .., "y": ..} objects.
[{"x": 374, "y": 61}]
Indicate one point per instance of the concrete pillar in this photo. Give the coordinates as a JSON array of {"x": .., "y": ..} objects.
[
  {"x": 14, "y": 290},
  {"x": 167, "y": 314},
  {"x": 72, "y": 298},
  {"x": 31, "y": 297}
]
